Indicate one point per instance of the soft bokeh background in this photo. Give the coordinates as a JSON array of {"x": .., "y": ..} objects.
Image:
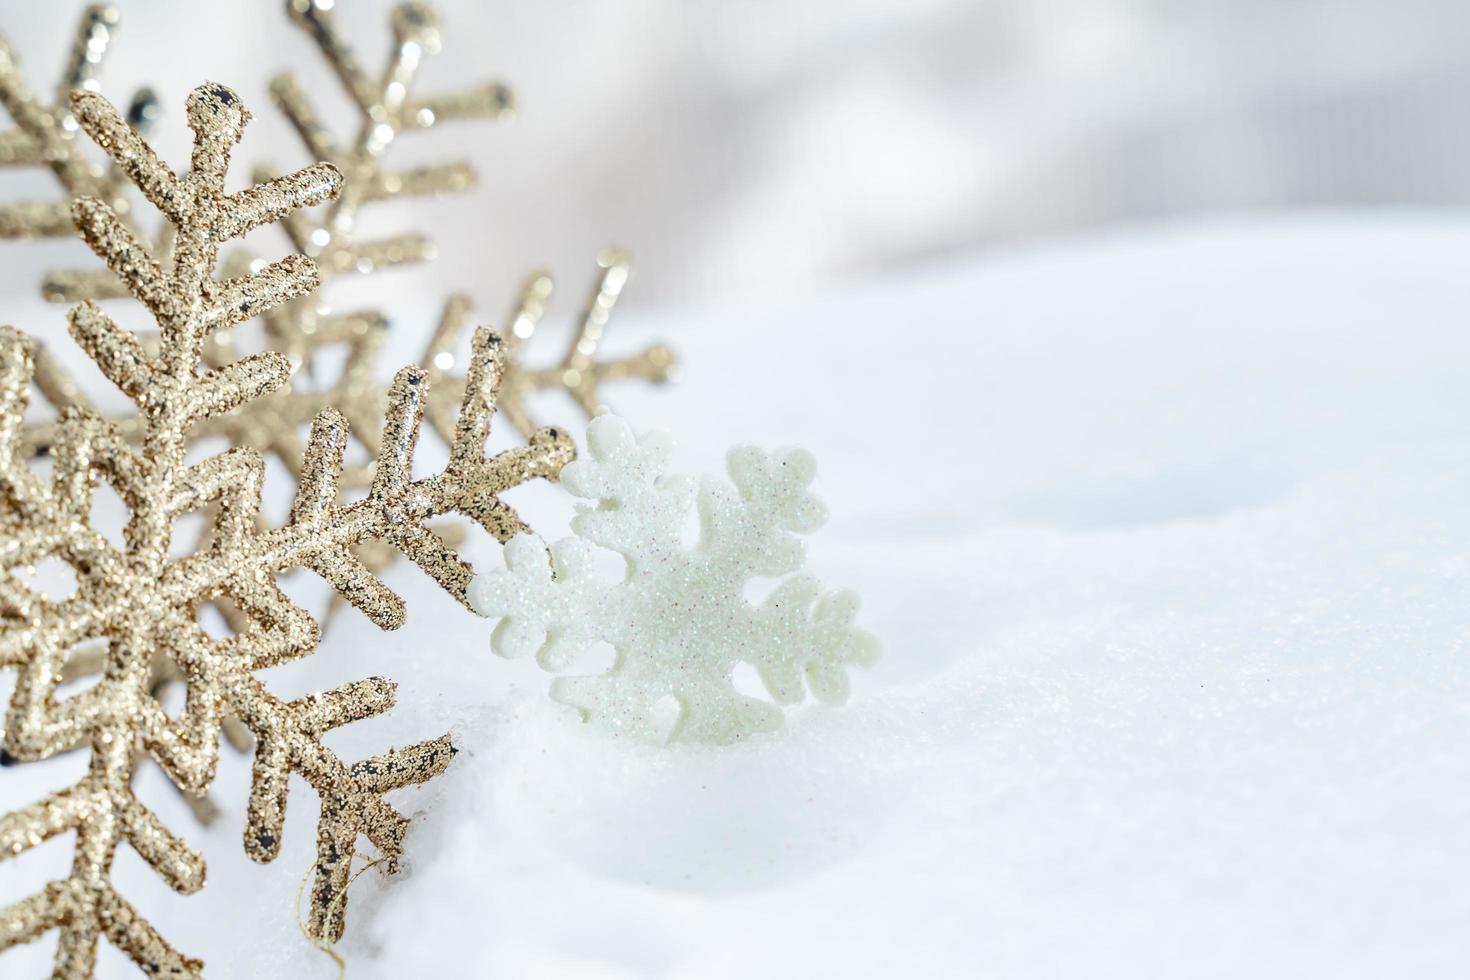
[{"x": 763, "y": 144}]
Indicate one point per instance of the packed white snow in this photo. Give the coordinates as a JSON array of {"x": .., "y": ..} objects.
[{"x": 1167, "y": 538}]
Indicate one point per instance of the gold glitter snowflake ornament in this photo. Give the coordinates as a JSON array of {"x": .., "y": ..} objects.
[{"x": 142, "y": 602}]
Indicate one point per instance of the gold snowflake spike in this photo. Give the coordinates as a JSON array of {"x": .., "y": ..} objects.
[
  {"x": 386, "y": 109},
  {"x": 299, "y": 329},
  {"x": 89, "y": 660},
  {"x": 272, "y": 423},
  {"x": 394, "y": 511},
  {"x": 80, "y": 285},
  {"x": 45, "y": 135},
  {"x": 578, "y": 372},
  {"x": 141, "y": 602},
  {"x": 57, "y": 389}
]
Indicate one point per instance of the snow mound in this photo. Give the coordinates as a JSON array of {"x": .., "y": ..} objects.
[{"x": 1167, "y": 540}]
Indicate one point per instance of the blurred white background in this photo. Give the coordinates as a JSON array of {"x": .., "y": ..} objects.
[{"x": 768, "y": 145}]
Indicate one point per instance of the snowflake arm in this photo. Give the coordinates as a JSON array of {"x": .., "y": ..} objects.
[
  {"x": 638, "y": 512},
  {"x": 45, "y": 135},
  {"x": 751, "y": 524},
  {"x": 579, "y": 372},
  {"x": 386, "y": 109},
  {"x": 811, "y": 637},
  {"x": 543, "y": 601},
  {"x": 679, "y": 620}
]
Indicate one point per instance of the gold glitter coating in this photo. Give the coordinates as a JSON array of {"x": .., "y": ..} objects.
[
  {"x": 300, "y": 329},
  {"x": 90, "y": 659},
  {"x": 386, "y": 109},
  {"x": 45, "y": 135},
  {"x": 140, "y": 603},
  {"x": 578, "y": 372}
]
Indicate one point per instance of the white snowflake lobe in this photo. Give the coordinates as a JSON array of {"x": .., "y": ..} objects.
[{"x": 679, "y": 620}]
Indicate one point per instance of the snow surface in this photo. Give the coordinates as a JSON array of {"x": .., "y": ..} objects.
[{"x": 1166, "y": 535}]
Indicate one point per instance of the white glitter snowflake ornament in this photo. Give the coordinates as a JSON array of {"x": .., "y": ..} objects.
[{"x": 679, "y": 620}]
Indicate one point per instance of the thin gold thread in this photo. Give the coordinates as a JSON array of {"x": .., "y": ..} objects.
[{"x": 341, "y": 896}]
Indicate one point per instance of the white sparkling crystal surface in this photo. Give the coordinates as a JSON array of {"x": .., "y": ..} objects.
[{"x": 678, "y": 619}]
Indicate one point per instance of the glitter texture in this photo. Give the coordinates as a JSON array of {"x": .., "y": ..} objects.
[
  {"x": 299, "y": 329},
  {"x": 385, "y": 108},
  {"x": 141, "y": 603},
  {"x": 45, "y": 135},
  {"x": 679, "y": 620},
  {"x": 578, "y": 373}
]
